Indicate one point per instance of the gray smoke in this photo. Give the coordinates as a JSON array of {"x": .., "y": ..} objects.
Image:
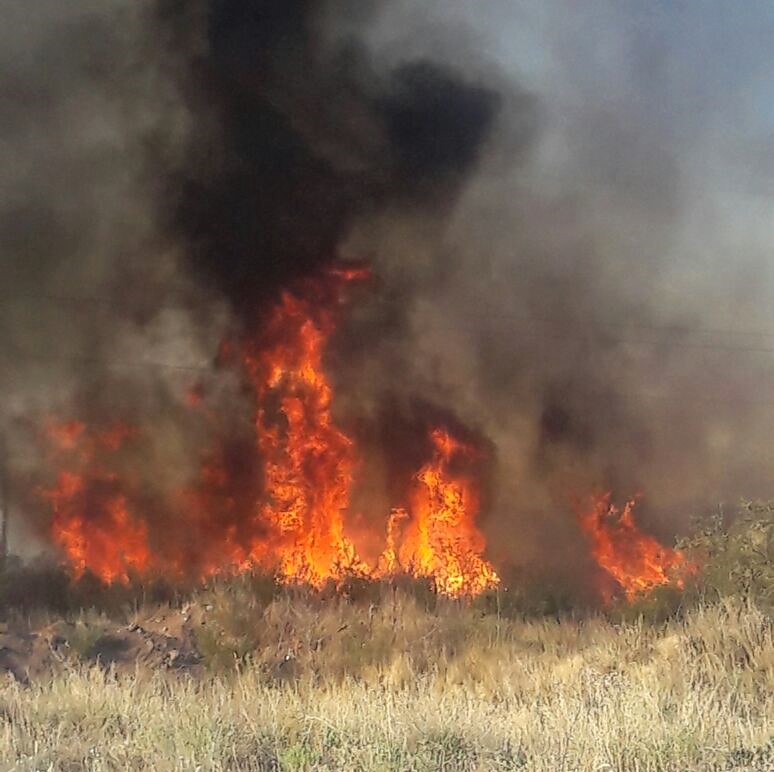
[
  {"x": 599, "y": 305},
  {"x": 565, "y": 209},
  {"x": 93, "y": 291}
]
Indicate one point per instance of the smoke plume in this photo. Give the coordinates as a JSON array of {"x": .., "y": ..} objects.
[{"x": 563, "y": 209}]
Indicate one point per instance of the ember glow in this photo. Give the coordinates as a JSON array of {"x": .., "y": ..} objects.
[
  {"x": 634, "y": 561},
  {"x": 292, "y": 521}
]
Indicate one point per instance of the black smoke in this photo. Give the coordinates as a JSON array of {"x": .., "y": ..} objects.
[{"x": 309, "y": 136}]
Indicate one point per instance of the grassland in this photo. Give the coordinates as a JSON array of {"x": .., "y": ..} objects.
[{"x": 242, "y": 675}]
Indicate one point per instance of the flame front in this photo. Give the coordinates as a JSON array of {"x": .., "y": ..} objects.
[
  {"x": 291, "y": 519},
  {"x": 634, "y": 561}
]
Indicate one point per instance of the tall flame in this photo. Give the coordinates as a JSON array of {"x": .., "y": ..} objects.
[
  {"x": 308, "y": 460},
  {"x": 634, "y": 561},
  {"x": 442, "y": 540}
]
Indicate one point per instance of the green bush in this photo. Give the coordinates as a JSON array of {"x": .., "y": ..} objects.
[{"x": 736, "y": 559}]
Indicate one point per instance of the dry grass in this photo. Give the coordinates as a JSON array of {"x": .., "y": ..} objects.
[
  {"x": 243, "y": 675},
  {"x": 295, "y": 682}
]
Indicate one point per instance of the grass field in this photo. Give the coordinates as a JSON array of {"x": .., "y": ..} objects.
[
  {"x": 332, "y": 685},
  {"x": 244, "y": 675}
]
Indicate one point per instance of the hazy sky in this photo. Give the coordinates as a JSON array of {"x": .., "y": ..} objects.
[{"x": 631, "y": 88}]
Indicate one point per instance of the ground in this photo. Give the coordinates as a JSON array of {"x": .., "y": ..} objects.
[{"x": 243, "y": 675}]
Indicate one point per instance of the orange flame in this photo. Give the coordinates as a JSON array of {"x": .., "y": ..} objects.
[
  {"x": 289, "y": 519},
  {"x": 91, "y": 520},
  {"x": 634, "y": 561},
  {"x": 442, "y": 540},
  {"x": 389, "y": 562},
  {"x": 308, "y": 460}
]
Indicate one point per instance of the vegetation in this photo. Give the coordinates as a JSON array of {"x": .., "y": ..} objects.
[
  {"x": 243, "y": 675},
  {"x": 737, "y": 560}
]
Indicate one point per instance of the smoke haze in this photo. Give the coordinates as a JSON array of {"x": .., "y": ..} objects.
[{"x": 566, "y": 212}]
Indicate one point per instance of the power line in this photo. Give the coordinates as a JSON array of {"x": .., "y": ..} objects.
[
  {"x": 599, "y": 337},
  {"x": 14, "y": 352},
  {"x": 603, "y": 337},
  {"x": 672, "y": 329},
  {"x": 214, "y": 372},
  {"x": 668, "y": 329},
  {"x": 21, "y": 297}
]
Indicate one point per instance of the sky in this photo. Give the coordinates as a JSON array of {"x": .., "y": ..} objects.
[{"x": 632, "y": 88}]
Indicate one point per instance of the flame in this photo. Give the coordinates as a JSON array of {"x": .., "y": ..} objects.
[
  {"x": 65, "y": 434},
  {"x": 290, "y": 516},
  {"x": 308, "y": 460},
  {"x": 389, "y": 562},
  {"x": 442, "y": 541},
  {"x": 635, "y": 562},
  {"x": 91, "y": 520},
  {"x": 351, "y": 272}
]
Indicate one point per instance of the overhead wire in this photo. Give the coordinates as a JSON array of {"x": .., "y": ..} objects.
[{"x": 598, "y": 331}]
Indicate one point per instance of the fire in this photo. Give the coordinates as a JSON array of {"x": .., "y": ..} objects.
[
  {"x": 389, "y": 562},
  {"x": 65, "y": 435},
  {"x": 91, "y": 521},
  {"x": 635, "y": 562},
  {"x": 290, "y": 516},
  {"x": 308, "y": 461},
  {"x": 442, "y": 540},
  {"x": 287, "y": 512}
]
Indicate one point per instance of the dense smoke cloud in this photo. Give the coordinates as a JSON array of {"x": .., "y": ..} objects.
[
  {"x": 588, "y": 307},
  {"x": 310, "y": 134},
  {"x": 94, "y": 294},
  {"x": 558, "y": 204}
]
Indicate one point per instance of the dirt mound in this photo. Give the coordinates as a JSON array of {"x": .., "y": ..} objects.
[{"x": 164, "y": 640}]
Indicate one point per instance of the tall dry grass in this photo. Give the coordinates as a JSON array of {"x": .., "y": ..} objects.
[{"x": 398, "y": 687}]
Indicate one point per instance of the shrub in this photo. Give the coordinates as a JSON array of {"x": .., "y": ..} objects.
[{"x": 735, "y": 560}]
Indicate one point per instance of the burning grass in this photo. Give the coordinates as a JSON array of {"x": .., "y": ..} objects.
[
  {"x": 290, "y": 518},
  {"x": 246, "y": 673},
  {"x": 284, "y": 506},
  {"x": 420, "y": 659}
]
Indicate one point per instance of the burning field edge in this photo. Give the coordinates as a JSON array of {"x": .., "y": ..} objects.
[
  {"x": 282, "y": 501},
  {"x": 248, "y": 673}
]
